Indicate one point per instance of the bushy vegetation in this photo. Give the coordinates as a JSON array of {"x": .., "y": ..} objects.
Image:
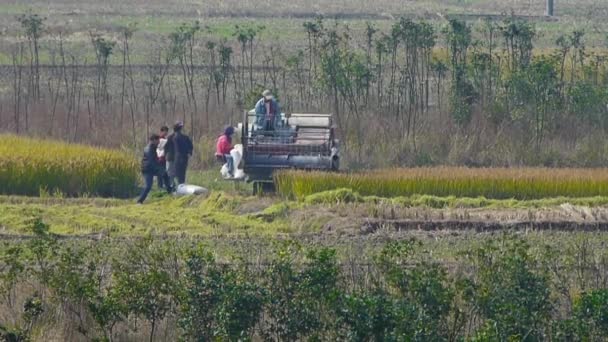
[
  {"x": 499, "y": 289},
  {"x": 43, "y": 167},
  {"x": 491, "y": 183}
]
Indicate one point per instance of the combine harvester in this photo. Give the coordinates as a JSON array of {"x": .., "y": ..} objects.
[{"x": 301, "y": 142}]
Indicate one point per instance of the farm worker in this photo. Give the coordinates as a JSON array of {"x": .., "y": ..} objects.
[
  {"x": 150, "y": 167},
  {"x": 267, "y": 112},
  {"x": 163, "y": 180},
  {"x": 178, "y": 150},
  {"x": 223, "y": 148}
]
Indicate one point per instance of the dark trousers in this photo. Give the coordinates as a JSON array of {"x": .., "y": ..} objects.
[
  {"x": 148, "y": 181},
  {"x": 180, "y": 170},
  {"x": 163, "y": 177},
  {"x": 268, "y": 125},
  {"x": 164, "y": 182}
]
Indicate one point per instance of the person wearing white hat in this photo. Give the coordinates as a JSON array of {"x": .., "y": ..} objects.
[{"x": 267, "y": 112}]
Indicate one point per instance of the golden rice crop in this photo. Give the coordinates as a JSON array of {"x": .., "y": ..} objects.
[
  {"x": 495, "y": 183},
  {"x": 29, "y": 166}
]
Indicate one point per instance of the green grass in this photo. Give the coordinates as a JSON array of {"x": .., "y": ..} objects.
[
  {"x": 212, "y": 180},
  {"x": 14, "y": 9},
  {"x": 214, "y": 215}
]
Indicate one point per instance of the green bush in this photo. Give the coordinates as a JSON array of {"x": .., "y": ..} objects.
[
  {"x": 510, "y": 290},
  {"x": 591, "y": 311},
  {"x": 217, "y": 301},
  {"x": 366, "y": 316},
  {"x": 297, "y": 298},
  {"x": 499, "y": 291}
]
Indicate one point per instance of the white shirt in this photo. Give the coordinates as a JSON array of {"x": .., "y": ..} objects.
[{"x": 160, "y": 150}]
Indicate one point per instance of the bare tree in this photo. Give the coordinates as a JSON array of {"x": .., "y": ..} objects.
[
  {"x": 103, "y": 52},
  {"x": 33, "y": 24},
  {"x": 17, "y": 59}
]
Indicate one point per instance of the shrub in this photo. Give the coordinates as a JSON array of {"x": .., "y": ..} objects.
[
  {"x": 424, "y": 303},
  {"x": 217, "y": 301},
  {"x": 297, "y": 298},
  {"x": 31, "y": 166},
  {"x": 502, "y": 291},
  {"x": 366, "y": 316},
  {"x": 510, "y": 291},
  {"x": 592, "y": 312},
  {"x": 144, "y": 283}
]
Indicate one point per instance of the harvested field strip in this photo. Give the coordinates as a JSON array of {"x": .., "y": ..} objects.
[
  {"x": 40, "y": 167},
  {"x": 371, "y": 227},
  {"x": 439, "y": 202},
  {"x": 491, "y": 183},
  {"x": 225, "y": 215}
]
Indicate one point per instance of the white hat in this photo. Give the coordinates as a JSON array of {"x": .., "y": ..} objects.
[{"x": 267, "y": 93}]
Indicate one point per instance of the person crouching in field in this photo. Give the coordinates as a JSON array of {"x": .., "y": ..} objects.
[
  {"x": 163, "y": 180},
  {"x": 223, "y": 148},
  {"x": 150, "y": 167}
]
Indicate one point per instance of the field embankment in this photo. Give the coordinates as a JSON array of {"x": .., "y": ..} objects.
[
  {"x": 36, "y": 167},
  {"x": 491, "y": 183}
]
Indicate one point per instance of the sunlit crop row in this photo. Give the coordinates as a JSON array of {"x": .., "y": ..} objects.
[
  {"x": 32, "y": 166},
  {"x": 498, "y": 183}
]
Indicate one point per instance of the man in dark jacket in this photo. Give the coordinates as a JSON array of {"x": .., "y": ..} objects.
[
  {"x": 178, "y": 150},
  {"x": 150, "y": 167}
]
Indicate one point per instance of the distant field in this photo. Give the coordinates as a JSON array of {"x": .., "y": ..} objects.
[
  {"x": 593, "y": 8},
  {"x": 284, "y": 20}
]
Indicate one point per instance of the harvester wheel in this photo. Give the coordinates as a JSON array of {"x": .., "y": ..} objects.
[{"x": 261, "y": 188}]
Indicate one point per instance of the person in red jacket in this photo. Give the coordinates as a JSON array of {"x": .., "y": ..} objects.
[{"x": 223, "y": 148}]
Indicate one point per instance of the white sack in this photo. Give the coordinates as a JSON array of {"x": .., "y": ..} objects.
[
  {"x": 237, "y": 155},
  {"x": 189, "y": 189}
]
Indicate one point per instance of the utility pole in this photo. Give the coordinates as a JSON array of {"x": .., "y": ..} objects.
[{"x": 549, "y": 8}]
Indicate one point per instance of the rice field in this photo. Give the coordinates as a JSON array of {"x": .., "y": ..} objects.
[
  {"x": 43, "y": 167},
  {"x": 491, "y": 183}
]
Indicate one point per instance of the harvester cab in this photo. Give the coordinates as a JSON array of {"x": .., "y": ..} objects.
[{"x": 299, "y": 141}]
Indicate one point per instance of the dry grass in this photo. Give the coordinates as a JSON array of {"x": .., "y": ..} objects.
[{"x": 495, "y": 183}]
